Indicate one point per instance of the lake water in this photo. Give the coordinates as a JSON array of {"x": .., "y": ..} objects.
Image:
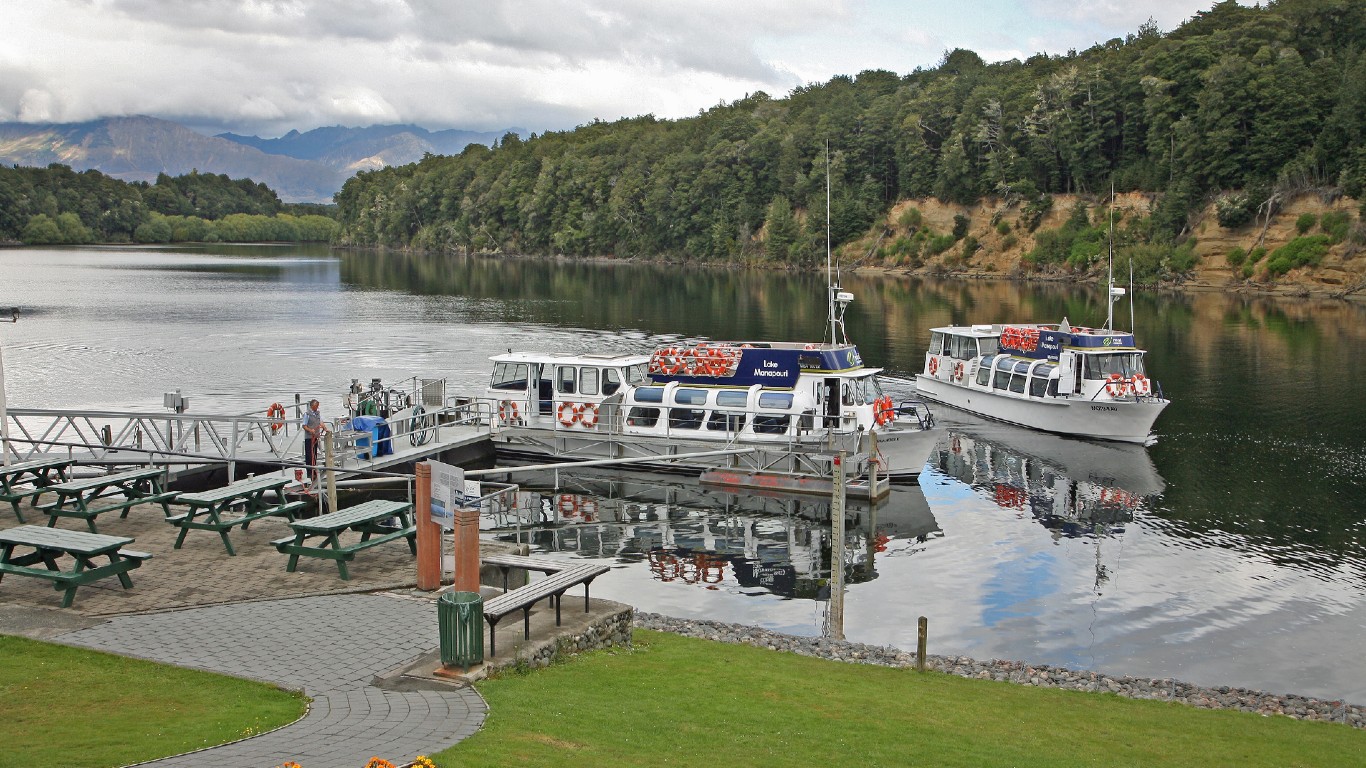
[{"x": 1231, "y": 552}]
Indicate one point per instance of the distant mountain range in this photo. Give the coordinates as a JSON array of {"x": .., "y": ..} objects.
[{"x": 300, "y": 167}]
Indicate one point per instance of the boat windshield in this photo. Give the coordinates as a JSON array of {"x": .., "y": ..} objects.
[
  {"x": 1123, "y": 363},
  {"x": 862, "y": 390},
  {"x": 511, "y": 376}
]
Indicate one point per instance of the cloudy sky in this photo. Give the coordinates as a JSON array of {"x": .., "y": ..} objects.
[{"x": 266, "y": 66}]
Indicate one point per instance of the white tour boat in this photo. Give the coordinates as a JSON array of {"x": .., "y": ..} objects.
[
  {"x": 1072, "y": 380},
  {"x": 1058, "y": 378},
  {"x": 795, "y": 404}
]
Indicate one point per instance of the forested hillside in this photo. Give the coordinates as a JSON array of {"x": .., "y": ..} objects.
[
  {"x": 1239, "y": 108},
  {"x": 56, "y": 205}
]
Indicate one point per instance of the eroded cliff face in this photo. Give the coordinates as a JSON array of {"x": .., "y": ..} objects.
[{"x": 1001, "y": 252}]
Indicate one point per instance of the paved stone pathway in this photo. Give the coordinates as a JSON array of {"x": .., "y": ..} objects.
[{"x": 332, "y": 647}]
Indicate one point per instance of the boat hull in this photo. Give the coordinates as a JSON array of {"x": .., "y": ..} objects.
[{"x": 1128, "y": 421}]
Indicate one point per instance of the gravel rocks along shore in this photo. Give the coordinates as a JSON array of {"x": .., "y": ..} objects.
[{"x": 1159, "y": 689}]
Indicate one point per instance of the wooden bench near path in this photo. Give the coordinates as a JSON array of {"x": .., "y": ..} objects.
[{"x": 561, "y": 575}]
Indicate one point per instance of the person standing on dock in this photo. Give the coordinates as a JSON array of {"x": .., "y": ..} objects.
[{"x": 313, "y": 429}]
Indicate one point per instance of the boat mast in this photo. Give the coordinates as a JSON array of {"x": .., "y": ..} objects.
[
  {"x": 830, "y": 285},
  {"x": 1112, "y": 293}
]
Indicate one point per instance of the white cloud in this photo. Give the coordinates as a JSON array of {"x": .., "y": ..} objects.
[{"x": 270, "y": 65}]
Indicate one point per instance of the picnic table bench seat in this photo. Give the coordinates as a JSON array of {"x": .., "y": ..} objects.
[
  {"x": 553, "y": 586},
  {"x": 368, "y": 518},
  {"x": 55, "y": 509}
]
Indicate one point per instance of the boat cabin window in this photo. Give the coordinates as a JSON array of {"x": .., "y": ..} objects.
[
  {"x": 771, "y": 425},
  {"x": 775, "y": 400},
  {"x": 686, "y": 418},
  {"x": 642, "y": 417},
  {"x": 510, "y": 376},
  {"x": 732, "y": 398},
  {"x": 1101, "y": 366},
  {"x": 961, "y": 347},
  {"x": 721, "y": 421},
  {"x": 1038, "y": 385},
  {"x": 1017, "y": 382},
  {"x": 650, "y": 395},
  {"x": 1001, "y": 380},
  {"x": 588, "y": 381},
  {"x": 635, "y": 374},
  {"x": 936, "y": 343},
  {"x": 690, "y": 396},
  {"x": 565, "y": 376},
  {"x": 611, "y": 381},
  {"x": 988, "y": 346},
  {"x": 984, "y": 371}
]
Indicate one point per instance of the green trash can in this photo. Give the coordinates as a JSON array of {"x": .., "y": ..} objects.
[{"x": 460, "y": 620}]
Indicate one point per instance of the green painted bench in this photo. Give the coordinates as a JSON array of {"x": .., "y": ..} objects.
[
  {"x": 50, "y": 545},
  {"x": 90, "y": 497},
  {"x": 29, "y": 480},
  {"x": 367, "y": 518},
  {"x": 212, "y": 510}
]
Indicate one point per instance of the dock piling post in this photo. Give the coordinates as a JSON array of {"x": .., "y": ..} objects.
[
  {"x": 920, "y": 643},
  {"x": 837, "y": 550}
]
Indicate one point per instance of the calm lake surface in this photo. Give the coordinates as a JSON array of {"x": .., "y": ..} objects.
[{"x": 1231, "y": 552}]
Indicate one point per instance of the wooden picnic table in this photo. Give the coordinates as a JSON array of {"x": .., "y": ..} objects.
[
  {"x": 51, "y": 544},
  {"x": 367, "y": 518},
  {"x": 209, "y": 510},
  {"x": 121, "y": 491},
  {"x": 30, "y": 479}
]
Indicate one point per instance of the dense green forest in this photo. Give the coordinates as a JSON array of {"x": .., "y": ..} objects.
[
  {"x": 1241, "y": 106},
  {"x": 56, "y": 205}
]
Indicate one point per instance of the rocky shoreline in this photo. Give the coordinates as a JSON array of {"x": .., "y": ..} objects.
[{"x": 1042, "y": 675}]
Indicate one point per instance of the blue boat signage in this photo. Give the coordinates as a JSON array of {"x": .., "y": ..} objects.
[
  {"x": 744, "y": 365},
  {"x": 1045, "y": 344}
]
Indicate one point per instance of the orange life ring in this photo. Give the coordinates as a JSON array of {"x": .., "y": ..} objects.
[
  {"x": 588, "y": 509},
  {"x": 1115, "y": 384},
  {"x": 934, "y": 365},
  {"x": 587, "y": 415},
  {"x": 568, "y": 413},
  {"x": 886, "y": 412},
  {"x": 276, "y": 414},
  {"x": 1139, "y": 384},
  {"x": 507, "y": 412},
  {"x": 958, "y": 370},
  {"x": 568, "y": 506}
]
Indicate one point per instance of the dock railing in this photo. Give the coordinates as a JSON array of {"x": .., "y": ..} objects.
[{"x": 121, "y": 437}]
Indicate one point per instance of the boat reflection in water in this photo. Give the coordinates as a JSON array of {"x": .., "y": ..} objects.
[
  {"x": 1074, "y": 487},
  {"x": 681, "y": 533}
]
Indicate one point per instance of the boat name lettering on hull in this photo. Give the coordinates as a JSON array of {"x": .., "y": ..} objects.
[{"x": 1105, "y": 408}]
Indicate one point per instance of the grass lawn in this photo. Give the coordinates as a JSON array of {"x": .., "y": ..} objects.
[
  {"x": 675, "y": 700},
  {"x": 75, "y": 708}
]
